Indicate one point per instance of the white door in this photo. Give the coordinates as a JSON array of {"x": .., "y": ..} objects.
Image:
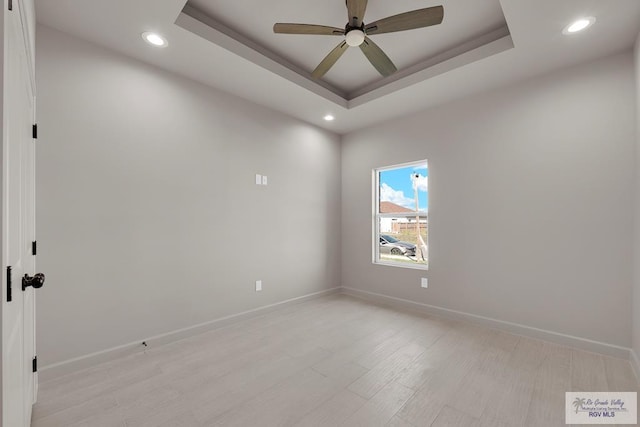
[{"x": 18, "y": 220}]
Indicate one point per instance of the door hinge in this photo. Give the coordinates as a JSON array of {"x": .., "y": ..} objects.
[
  {"x": 34, "y": 364},
  {"x": 34, "y": 248},
  {"x": 10, "y": 5},
  {"x": 34, "y": 131},
  {"x": 9, "y": 298}
]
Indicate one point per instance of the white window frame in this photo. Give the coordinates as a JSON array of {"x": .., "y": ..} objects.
[{"x": 376, "y": 215}]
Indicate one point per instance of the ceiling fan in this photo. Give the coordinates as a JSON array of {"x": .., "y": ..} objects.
[{"x": 356, "y": 31}]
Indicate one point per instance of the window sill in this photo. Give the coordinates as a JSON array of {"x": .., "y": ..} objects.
[{"x": 402, "y": 265}]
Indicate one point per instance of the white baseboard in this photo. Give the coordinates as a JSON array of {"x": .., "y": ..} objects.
[
  {"x": 57, "y": 370},
  {"x": 515, "y": 328},
  {"x": 635, "y": 364}
]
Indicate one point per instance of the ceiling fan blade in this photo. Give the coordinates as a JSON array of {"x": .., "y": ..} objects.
[
  {"x": 377, "y": 57},
  {"x": 407, "y": 21},
  {"x": 307, "y": 29},
  {"x": 330, "y": 60},
  {"x": 356, "y": 9}
]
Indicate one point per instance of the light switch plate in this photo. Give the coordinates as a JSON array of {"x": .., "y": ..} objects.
[
  {"x": 424, "y": 282},
  {"x": 258, "y": 285},
  {"x": 258, "y": 179},
  {"x": 264, "y": 180}
]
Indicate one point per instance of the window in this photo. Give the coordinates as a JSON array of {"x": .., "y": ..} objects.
[{"x": 401, "y": 205}]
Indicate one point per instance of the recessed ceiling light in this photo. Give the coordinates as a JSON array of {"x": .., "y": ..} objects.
[
  {"x": 579, "y": 25},
  {"x": 154, "y": 39},
  {"x": 329, "y": 118}
]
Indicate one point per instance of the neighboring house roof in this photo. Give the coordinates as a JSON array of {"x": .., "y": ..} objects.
[{"x": 388, "y": 207}]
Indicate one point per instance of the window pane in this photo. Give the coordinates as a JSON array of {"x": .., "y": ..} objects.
[
  {"x": 403, "y": 189},
  {"x": 402, "y": 237},
  {"x": 399, "y": 241}
]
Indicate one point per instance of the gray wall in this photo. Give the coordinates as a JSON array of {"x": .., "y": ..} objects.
[
  {"x": 531, "y": 201},
  {"x": 149, "y": 219},
  {"x": 636, "y": 255}
]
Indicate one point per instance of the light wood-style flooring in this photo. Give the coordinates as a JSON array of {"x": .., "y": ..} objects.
[{"x": 334, "y": 361}]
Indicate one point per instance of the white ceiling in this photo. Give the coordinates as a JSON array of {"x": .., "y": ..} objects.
[
  {"x": 535, "y": 45},
  {"x": 353, "y": 71}
]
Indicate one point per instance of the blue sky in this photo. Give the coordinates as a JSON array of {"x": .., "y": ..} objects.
[{"x": 396, "y": 186}]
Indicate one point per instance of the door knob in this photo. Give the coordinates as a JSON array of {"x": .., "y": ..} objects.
[{"x": 37, "y": 281}]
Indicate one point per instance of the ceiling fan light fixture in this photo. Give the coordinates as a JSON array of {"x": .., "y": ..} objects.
[
  {"x": 154, "y": 39},
  {"x": 355, "y": 38},
  {"x": 329, "y": 118},
  {"x": 579, "y": 25},
  {"x": 356, "y": 34}
]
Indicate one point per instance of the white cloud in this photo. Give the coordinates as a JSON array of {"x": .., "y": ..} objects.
[
  {"x": 423, "y": 183},
  {"x": 420, "y": 168},
  {"x": 389, "y": 194}
]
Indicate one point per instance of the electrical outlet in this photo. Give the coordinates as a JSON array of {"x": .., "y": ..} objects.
[
  {"x": 264, "y": 180},
  {"x": 424, "y": 282},
  {"x": 258, "y": 285},
  {"x": 258, "y": 179}
]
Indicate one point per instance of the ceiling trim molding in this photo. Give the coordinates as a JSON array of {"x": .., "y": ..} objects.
[
  {"x": 441, "y": 64},
  {"x": 203, "y": 25}
]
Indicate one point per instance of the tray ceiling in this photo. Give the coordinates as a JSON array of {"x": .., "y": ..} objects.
[{"x": 466, "y": 26}]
